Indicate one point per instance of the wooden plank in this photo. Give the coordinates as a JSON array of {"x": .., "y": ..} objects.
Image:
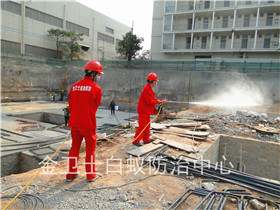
[
  {"x": 266, "y": 129},
  {"x": 157, "y": 126},
  {"x": 139, "y": 151},
  {"x": 177, "y": 145},
  {"x": 182, "y": 135},
  {"x": 191, "y": 124},
  {"x": 157, "y": 141},
  {"x": 185, "y": 131}
]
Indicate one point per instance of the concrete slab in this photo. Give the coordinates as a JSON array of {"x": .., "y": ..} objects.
[{"x": 12, "y": 119}]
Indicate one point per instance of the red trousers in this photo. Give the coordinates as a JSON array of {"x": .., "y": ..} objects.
[
  {"x": 143, "y": 120},
  {"x": 77, "y": 138}
]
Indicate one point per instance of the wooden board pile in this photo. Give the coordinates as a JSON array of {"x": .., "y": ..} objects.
[{"x": 191, "y": 131}]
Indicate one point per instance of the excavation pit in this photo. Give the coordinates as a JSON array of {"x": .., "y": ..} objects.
[{"x": 44, "y": 117}]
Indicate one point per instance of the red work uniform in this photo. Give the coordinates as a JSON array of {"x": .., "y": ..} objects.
[
  {"x": 84, "y": 99},
  {"x": 145, "y": 108}
]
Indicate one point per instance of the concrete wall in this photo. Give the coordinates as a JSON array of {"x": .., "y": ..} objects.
[
  {"x": 10, "y": 164},
  {"x": 251, "y": 156},
  {"x": 256, "y": 157},
  {"x": 212, "y": 153},
  {"x": 23, "y": 80}
]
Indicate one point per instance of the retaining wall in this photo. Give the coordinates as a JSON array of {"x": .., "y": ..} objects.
[
  {"x": 21, "y": 80},
  {"x": 251, "y": 156}
]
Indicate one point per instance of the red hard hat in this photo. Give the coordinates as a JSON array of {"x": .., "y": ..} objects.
[
  {"x": 94, "y": 66},
  {"x": 152, "y": 76}
]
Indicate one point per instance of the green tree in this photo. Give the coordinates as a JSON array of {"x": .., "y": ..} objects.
[
  {"x": 58, "y": 34},
  {"x": 130, "y": 45},
  {"x": 74, "y": 48},
  {"x": 67, "y": 42}
]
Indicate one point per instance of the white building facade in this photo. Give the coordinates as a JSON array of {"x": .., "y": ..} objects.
[
  {"x": 190, "y": 29},
  {"x": 25, "y": 24}
]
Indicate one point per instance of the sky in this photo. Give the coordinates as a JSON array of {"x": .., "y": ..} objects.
[{"x": 138, "y": 13}]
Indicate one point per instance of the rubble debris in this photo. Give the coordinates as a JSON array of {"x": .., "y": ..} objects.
[
  {"x": 257, "y": 205},
  {"x": 235, "y": 124}
]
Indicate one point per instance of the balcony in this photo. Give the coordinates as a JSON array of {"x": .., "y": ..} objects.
[
  {"x": 225, "y": 4},
  {"x": 269, "y": 23},
  {"x": 251, "y": 23},
  {"x": 204, "y": 5},
  {"x": 243, "y": 45},
  {"x": 223, "y": 25}
]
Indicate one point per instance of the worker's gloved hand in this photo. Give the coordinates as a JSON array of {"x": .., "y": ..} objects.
[{"x": 163, "y": 101}]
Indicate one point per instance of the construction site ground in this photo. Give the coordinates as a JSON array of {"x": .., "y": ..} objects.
[{"x": 121, "y": 183}]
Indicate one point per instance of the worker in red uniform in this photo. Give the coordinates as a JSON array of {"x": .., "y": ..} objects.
[
  {"x": 84, "y": 99},
  {"x": 145, "y": 108}
]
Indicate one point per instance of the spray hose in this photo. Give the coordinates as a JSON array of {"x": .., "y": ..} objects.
[
  {"x": 160, "y": 107},
  {"x": 36, "y": 174}
]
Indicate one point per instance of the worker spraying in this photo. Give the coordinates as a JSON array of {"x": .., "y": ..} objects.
[
  {"x": 84, "y": 99},
  {"x": 145, "y": 108}
]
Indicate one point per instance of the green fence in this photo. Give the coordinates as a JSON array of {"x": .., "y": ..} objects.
[{"x": 186, "y": 65}]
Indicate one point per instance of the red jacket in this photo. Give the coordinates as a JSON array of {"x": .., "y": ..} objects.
[
  {"x": 84, "y": 99},
  {"x": 147, "y": 101}
]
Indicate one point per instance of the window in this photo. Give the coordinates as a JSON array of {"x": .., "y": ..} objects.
[
  {"x": 260, "y": 35},
  {"x": 225, "y": 22},
  {"x": 40, "y": 51},
  {"x": 248, "y": 2},
  {"x": 275, "y": 35},
  {"x": 170, "y": 5},
  {"x": 110, "y": 30},
  {"x": 77, "y": 28},
  {"x": 105, "y": 38},
  {"x": 216, "y": 37},
  {"x": 167, "y": 41},
  {"x": 246, "y": 22},
  {"x": 226, "y": 3},
  {"x": 218, "y": 18},
  {"x": 43, "y": 17},
  {"x": 244, "y": 41},
  {"x": 269, "y": 19},
  {"x": 8, "y": 46},
  {"x": 11, "y": 7},
  {"x": 205, "y": 23},
  {"x": 203, "y": 42},
  {"x": 189, "y": 24},
  {"x": 252, "y": 36},
  {"x": 266, "y": 43},
  {"x": 167, "y": 22},
  {"x": 223, "y": 42},
  {"x": 188, "y": 43},
  {"x": 206, "y": 4},
  {"x": 270, "y": 1},
  {"x": 237, "y": 36}
]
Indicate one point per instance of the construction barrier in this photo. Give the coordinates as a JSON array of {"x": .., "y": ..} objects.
[{"x": 240, "y": 65}]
